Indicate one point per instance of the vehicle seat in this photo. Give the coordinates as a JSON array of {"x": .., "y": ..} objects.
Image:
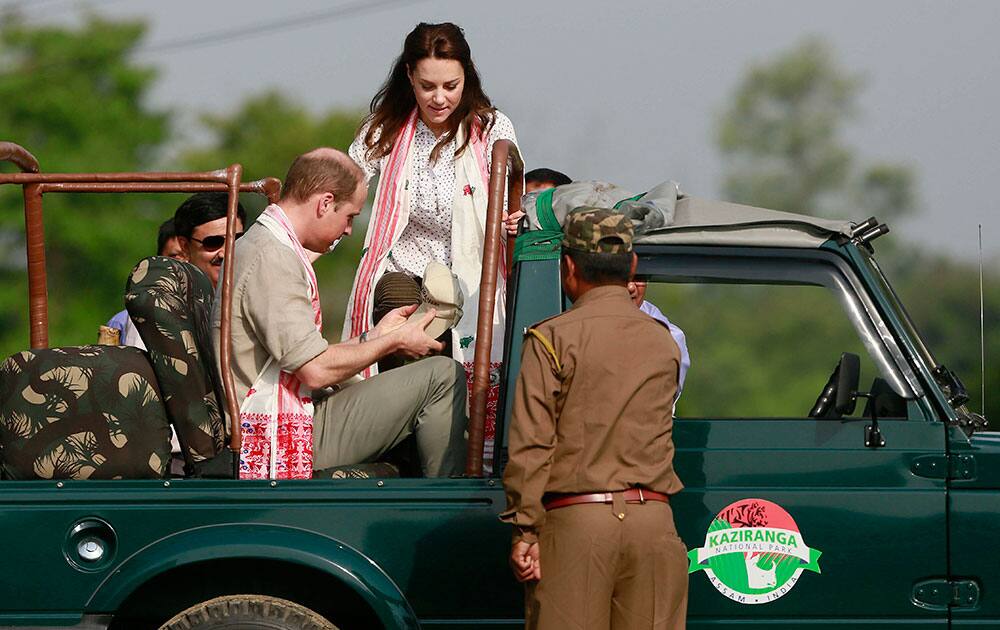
[
  {"x": 170, "y": 303},
  {"x": 87, "y": 412}
]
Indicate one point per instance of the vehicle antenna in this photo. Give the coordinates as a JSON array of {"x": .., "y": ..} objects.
[{"x": 982, "y": 325}]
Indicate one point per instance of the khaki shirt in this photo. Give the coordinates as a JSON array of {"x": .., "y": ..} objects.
[
  {"x": 272, "y": 314},
  {"x": 595, "y": 413}
]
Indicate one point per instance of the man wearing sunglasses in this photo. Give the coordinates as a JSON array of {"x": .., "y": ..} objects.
[{"x": 201, "y": 230}]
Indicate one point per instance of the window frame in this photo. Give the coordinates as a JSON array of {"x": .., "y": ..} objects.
[{"x": 676, "y": 264}]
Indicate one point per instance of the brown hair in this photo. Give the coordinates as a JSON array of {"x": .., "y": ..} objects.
[
  {"x": 322, "y": 170},
  {"x": 394, "y": 101}
]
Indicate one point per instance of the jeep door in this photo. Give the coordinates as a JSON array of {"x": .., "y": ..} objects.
[{"x": 792, "y": 520}]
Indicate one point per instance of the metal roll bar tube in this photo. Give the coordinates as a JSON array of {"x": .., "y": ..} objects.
[
  {"x": 36, "y": 184},
  {"x": 506, "y": 175},
  {"x": 19, "y": 156},
  {"x": 233, "y": 175}
]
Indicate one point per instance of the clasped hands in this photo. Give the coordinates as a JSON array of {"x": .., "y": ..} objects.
[{"x": 525, "y": 561}]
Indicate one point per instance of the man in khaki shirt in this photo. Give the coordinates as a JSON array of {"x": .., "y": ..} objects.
[
  {"x": 273, "y": 320},
  {"x": 591, "y": 453}
]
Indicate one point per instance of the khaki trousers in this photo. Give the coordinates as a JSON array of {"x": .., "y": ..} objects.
[
  {"x": 600, "y": 572},
  {"x": 364, "y": 420}
]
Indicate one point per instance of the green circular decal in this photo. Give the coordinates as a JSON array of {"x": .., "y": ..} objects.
[{"x": 754, "y": 552}]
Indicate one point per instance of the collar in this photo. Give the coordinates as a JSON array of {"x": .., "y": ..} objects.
[
  {"x": 278, "y": 213},
  {"x": 422, "y": 128},
  {"x": 611, "y": 292}
]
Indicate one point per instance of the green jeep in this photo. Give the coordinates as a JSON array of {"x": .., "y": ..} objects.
[{"x": 839, "y": 512}]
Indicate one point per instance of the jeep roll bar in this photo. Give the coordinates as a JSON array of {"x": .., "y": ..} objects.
[
  {"x": 507, "y": 175},
  {"x": 36, "y": 184}
]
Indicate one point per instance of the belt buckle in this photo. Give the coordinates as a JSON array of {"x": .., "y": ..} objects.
[{"x": 642, "y": 498}]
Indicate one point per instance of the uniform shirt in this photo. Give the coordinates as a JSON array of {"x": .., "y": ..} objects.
[
  {"x": 427, "y": 235},
  {"x": 601, "y": 420}
]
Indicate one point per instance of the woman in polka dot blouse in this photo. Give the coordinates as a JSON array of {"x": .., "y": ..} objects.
[{"x": 429, "y": 137}]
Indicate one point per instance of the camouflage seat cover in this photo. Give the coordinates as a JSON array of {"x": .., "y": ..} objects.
[
  {"x": 89, "y": 412},
  {"x": 373, "y": 470},
  {"x": 170, "y": 303}
]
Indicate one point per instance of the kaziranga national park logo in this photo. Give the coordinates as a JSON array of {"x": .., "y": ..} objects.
[{"x": 754, "y": 552}]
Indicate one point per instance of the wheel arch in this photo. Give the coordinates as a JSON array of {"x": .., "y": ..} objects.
[{"x": 204, "y": 561}]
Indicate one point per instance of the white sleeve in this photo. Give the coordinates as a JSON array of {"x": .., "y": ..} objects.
[
  {"x": 357, "y": 151},
  {"x": 131, "y": 336},
  {"x": 502, "y": 129}
]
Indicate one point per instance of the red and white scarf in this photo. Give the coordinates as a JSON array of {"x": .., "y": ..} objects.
[
  {"x": 276, "y": 419},
  {"x": 388, "y": 220}
]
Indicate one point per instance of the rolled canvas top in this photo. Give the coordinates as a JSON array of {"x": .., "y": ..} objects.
[{"x": 664, "y": 215}]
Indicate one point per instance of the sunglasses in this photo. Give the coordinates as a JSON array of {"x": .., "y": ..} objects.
[{"x": 212, "y": 243}]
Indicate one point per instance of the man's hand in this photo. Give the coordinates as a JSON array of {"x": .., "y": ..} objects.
[
  {"x": 394, "y": 333},
  {"x": 392, "y": 320},
  {"x": 413, "y": 341},
  {"x": 511, "y": 221},
  {"x": 525, "y": 561}
]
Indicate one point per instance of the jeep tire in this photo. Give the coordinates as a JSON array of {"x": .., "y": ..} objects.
[{"x": 248, "y": 612}]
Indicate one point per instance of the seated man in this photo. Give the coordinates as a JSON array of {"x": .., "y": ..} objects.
[
  {"x": 542, "y": 178},
  {"x": 200, "y": 223},
  {"x": 279, "y": 354},
  {"x": 196, "y": 234}
]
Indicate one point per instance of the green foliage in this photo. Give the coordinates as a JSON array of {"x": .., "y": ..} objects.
[
  {"x": 781, "y": 139},
  {"x": 886, "y": 190},
  {"x": 267, "y": 132},
  {"x": 73, "y": 97},
  {"x": 942, "y": 297},
  {"x": 758, "y": 350}
]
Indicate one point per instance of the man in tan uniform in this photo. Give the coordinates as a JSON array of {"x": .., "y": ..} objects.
[{"x": 591, "y": 452}]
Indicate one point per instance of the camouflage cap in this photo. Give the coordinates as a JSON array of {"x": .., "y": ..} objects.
[{"x": 597, "y": 230}]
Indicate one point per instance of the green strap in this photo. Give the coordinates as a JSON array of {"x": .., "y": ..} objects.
[
  {"x": 543, "y": 244},
  {"x": 543, "y": 208},
  {"x": 546, "y": 244},
  {"x": 635, "y": 198},
  {"x": 538, "y": 245}
]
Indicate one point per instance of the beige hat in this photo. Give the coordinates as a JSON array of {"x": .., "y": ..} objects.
[{"x": 441, "y": 292}]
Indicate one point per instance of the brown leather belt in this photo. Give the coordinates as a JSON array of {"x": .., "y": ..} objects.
[{"x": 632, "y": 495}]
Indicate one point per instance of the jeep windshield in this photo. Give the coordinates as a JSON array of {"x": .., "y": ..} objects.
[{"x": 948, "y": 380}]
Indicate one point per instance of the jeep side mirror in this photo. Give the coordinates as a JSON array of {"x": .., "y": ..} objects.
[
  {"x": 848, "y": 374},
  {"x": 841, "y": 390},
  {"x": 848, "y": 377}
]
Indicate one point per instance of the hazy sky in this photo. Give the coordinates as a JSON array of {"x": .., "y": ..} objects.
[{"x": 629, "y": 92}]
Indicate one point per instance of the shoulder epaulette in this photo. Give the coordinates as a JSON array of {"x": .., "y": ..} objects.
[{"x": 534, "y": 332}]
